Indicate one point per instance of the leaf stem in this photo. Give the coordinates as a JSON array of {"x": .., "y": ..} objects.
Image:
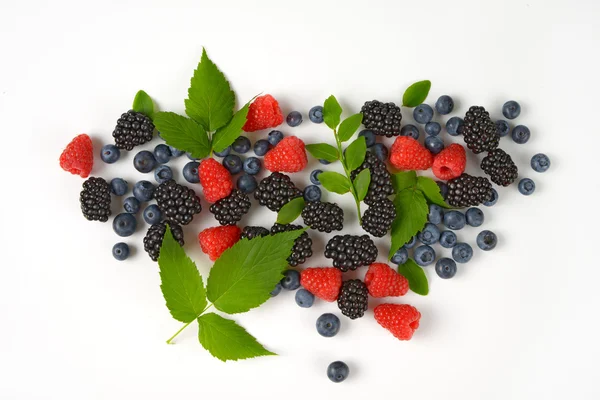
[
  {"x": 186, "y": 325},
  {"x": 352, "y": 189}
]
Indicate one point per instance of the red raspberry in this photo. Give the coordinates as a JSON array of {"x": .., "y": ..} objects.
[
  {"x": 450, "y": 163},
  {"x": 409, "y": 154},
  {"x": 264, "y": 112},
  {"x": 401, "y": 320},
  {"x": 215, "y": 180},
  {"x": 383, "y": 281},
  {"x": 214, "y": 241},
  {"x": 78, "y": 157},
  {"x": 288, "y": 156},
  {"x": 323, "y": 282}
]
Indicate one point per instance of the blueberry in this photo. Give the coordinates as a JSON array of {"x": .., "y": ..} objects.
[
  {"x": 120, "y": 251},
  {"x": 143, "y": 191},
  {"x": 314, "y": 177},
  {"x": 410, "y": 130},
  {"x": 400, "y": 256},
  {"x": 493, "y": 200},
  {"x": 511, "y": 109},
  {"x": 261, "y": 147},
  {"x": 369, "y": 137},
  {"x": 224, "y": 153},
  {"x": 246, "y": 183},
  {"x": 433, "y": 128},
  {"x": 502, "y": 127},
  {"x": 540, "y": 162},
  {"x": 328, "y": 325},
  {"x": 316, "y": 114},
  {"x": 454, "y": 220},
  {"x": 312, "y": 193},
  {"x": 241, "y": 145},
  {"x": 124, "y": 224},
  {"x": 337, "y": 371},
  {"x": 434, "y": 144},
  {"x": 521, "y": 134},
  {"x": 411, "y": 243},
  {"x": 381, "y": 152},
  {"x": 294, "y": 119},
  {"x": 163, "y": 173},
  {"x": 176, "y": 152},
  {"x": 304, "y": 298},
  {"x": 436, "y": 214},
  {"x": 110, "y": 153},
  {"x": 274, "y": 137},
  {"x": 430, "y": 234},
  {"x": 462, "y": 253},
  {"x": 424, "y": 255},
  {"x": 487, "y": 240},
  {"x": 291, "y": 279},
  {"x": 131, "y": 205},
  {"x": 443, "y": 189},
  {"x": 448, "y": 239},
  {"x": 276, "y": 290},
  {"x": 162, "y": 153},
  {"x": 324, "y": 162},
  {"x": 526, "y": 186},
  {"x": 474, "y": 217},
  {"x": 191, "y": 157},
  {"x": 445, "y": 268},
  {"x": 233, "y": 164},
  {"x": 453, "y": 124},
  {"x": 144, "y": 161},
  {"x": 252, "y": 165},
  {"x": 190, "y": 172},
  {"x": 423, "y": 113},
  {"x": 444, "y": 105},
  {"x": 152, "y": 214},
  {"x": 119, "y": 186}
]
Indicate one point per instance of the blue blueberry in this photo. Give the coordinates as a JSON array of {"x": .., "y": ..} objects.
[
  {"x": 291, "y": 279},
  {"x": 445, "y": 268},
  {"x": 454, "y": 220},
  {"x": 423, "y": 113},
  {"x": 433, "y": 128},
  {"x": 233, "y": 164},
  {"x": 493, "y": 200},
  {"x": 143, "y": 191},
  {"x": 436, "y": 214},
  {"x": 191, "y": 157},
  {"x": 190, "y": 172},
  {"x": 276, "y": 290},
  {"x": 312, "y": 193},
  {"x": 434, "y": 144},
  {"x": 328, "y": 325},
  {"x": 448, "y": 239},
  {"x": 152, "y": 214},
  {"x": 246, "y": 183},
  {"x": 274, "y": 137},
  {"x": 261, "y": 147},
  {"x": 110, "y": 153},
  {"x": 314, "y": 177},
  {"x": 316, "y": 114},
  {"x": 453, "y": 124},
  {"x": 430, "y": 234},
  {"x": 526, "y": 186},
  {"x": 400, "y": 256},
  {"x": 144, "y": 161},
  {"x": 521, "y": 134},
  {"x": 252, "y": 165},
  {"x": 162, "y": 153},
  {"x": 119, "y": 186},
  {"x": 424, "y": 255},
  {"x": 224, "y": 153},
  {"x": 176, "y": 152},
  {"x": 369, "y": 137},
  {"x": 462, "y": 253},
  {"x": 502, "y": 127},
  {"x": 241, "y": 145},
  {"x": 163, "y": 173},
  {"x": 304, "y": 298},
  {"x": 381, "y": 152},
  {"x": 120, "y": 251},
  {"x": 411, "y": 243},
  {"x": 443, "y": 189},
  {"x": 487, "y": 240},
  {"x": 124, "y": 224},
  {"x": 444, "y": 105},
  {"x": 324, "y": 162},
  {"x": 474, "y": 216},
  {"x": 131, "y": 205},
  {"x": 410, "y": 130},
  {"x": 511, "y": 109},
  {"x": 294, "y": 118},
  {"x": 337, "y": 371},
  {"x": 540, "y": 162}
]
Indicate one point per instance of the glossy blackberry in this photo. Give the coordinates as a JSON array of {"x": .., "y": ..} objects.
[
  {"x": 378, "y": 218},
  {"x": 178, "y": 203},
  {"x": 155, "y": 235},
  {"x": 276, "y": 190},
  {"x": 302, "y": 248},
  {"x": 469, "y": 191},
  {"x": 351, "y": 251},
  {"x": 500, "y": 167},
  {"x": 322, "y": 216},
  {"x": 380, "y": 186},
  {"x": 251, "y": 232},
  {"x": 382, "y": 118},
  {"x": 95, "y": 199},
  {"x": 479, "y": 131},
  {"x": 231, "y": 209},
  {"x": 353, "y": 299},
  {"x": 133, "y": 128}
]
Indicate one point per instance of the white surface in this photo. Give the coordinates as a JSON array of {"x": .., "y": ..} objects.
[{"x": 517, "y": 323}]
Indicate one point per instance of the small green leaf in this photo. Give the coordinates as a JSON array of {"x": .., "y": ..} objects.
[
  {"x": 349, "y": 126},
  {"x": 182, "y": 133},
  {"x": 290, "y": 211},
  {"x": 361, "y": 183},
  {"x": 332, "y": 112},
  {"x": 417, "y": 280},
  {"x": 355, "y": 153},
  {"x": 227, "y": 134},
  {"x": 226, "y": 340},
  {"x": 323, "y": 151},
  {"x": 411, "y": 217},
  {"x": 334, "y": 182},
  {"x": 416, "y": 93},
  {"x": 431, "y": 190},
  {"x": 142, "y": 103},
  {"x": 403, "y": 180}
]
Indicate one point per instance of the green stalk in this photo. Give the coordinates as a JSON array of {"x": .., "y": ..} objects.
[
  {"x": 186, "y": 325},
  {"x": 352, "y": 189}
]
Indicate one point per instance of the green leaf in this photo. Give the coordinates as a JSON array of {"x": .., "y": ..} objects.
[
  {"x": 143, "y": 103},
  {"x": 182, "y": 133},
  {"x": 349, "y": 126},
  {"x": 355, "y": 153},
  {"x": 210, "y": 99},
  {"x": 334, "y": 182},
  {"x": 181, "y": 283},
  {"x": 417, "y": 280},
  {"x": 411, "y": 216},
  {"x": 361, "y": 183},
  {"x": 323, "y": 151},
  {"x": 244, "y": 275},
  {"x": 403, "y": 180},
  {"x": 290, "y": 211},
  {"x": 332, "y": 112},
  {"x": 416, "y": 93},
  {"x": 227, "y": 134},
  {"x": 431, "y": 190},
  {"x": 226, "y": 340}
]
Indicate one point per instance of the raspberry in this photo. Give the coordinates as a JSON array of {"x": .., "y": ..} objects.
[
  {"x": 408, "y": 154},
  {"x": 155, "y": 235},
  {"x": 381, "y": 181},
  {"x": 383, "y": 281},
  {"x": 275, "y": 191},
  {"x": 288, "y": 156},
  {"x": 351, "y": 252},
  {"x": 324, "y": 217},
  {"x": 450, "y": 163},
  {"x": 215, "y": 180},
  {"x": 251, "y": 232},
  {"x": 323, "y": 282},
  {"x": 401, "y": 320},
  {"x": 214, "y": 241},
  {"x": 78, "y": 157},
  {"x": 378, "y": 218},
  {"x": 469, "y": 191},
  {"x": 231, "y": 209},
  {"x": 500, "y": 167},
  {"x": 479, "y": 131},
  {"x": 133, "y": 128},
  {"x": 264, "y": 112},
  {"x": 353, "y": 299},
  {"x": 382, "y": 118},
  {"x": 178, "y": 203},
  {"x": 302, "y": 248},
  {"x": 95, "y": 199}
]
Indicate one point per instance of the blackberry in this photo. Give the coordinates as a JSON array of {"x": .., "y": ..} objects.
[
  {"x": 382, "y": 118},
  {"x": 500, "y": 167},
  {"x": 155, "y": 235},
  {"x": 133, "y": 128},
  {"x": 469, "y": 191},
  {"x": 322, "y": 216},
  {"x": 302, "y": 248},
  {"x": 178, "y": 203},
  {"x": 479, "y": 131},
  {"x": 381, "y": 180},
  {"x": 276, "y": 190},
  {"x": 353, "y": 299},
  {"x": 378, "y": 218},
  {"x": 230, "y": 209},
  {"x": 350, "y": 251},
  {"x": 95, "y": 199},
  {"x": 251, "y": 232}
]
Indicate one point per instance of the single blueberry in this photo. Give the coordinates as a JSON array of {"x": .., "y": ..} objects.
[
  {"x": 276, "y": 290},
  {"x": 119, "y": 186},
  {"x": 436, "y": 214},
  {"x": 124, "y": 224},
  {"x": 423, "y": 113},
  {"x": 294, "y": 119},
  {"x": 110, "y": 153},
  {"x": 434, "y": 144},
  {"x": 176, "y": 152},
  {"x": 190, "y": 172},
  {"x": 163, "y": 173},
  {"x": 433, "y": 128},
  {"x": 424, "y": 255},
  {"x": 502, "y": 127},
  {"x": 474, "y": 216},
  {"x": 410, "y": 130},
  {"x": 312, "y": 193},
  {"x": 131, "y": 205},
  {"x": 511, "y": 109},
  {"x": 162, "y": 153},
  {"x": 430, "y": 234},
  {"x": 487, "y": 240},
  {"x": 540, "y": 162},
  {"x": 316, "y": 114},
  {"x": 381, "y": 152},
  {"x": 274, "y": 137},
  {"x": 143, "y": 191},
  {"x": 521, "y": 134},
  {"x": 328, "y": 325},
  {"x": 324, "y": 162},
  {"x": 252, "y": 165},
  {"x": 526, "y": 186},
  {"x": 444, "y": 105},
  {"x": 233, "y": 164},
  {"x": 369, "y": 137},
  {"x": 304, "y": 298},
  {"x": 337, "y": 371},
  {"x": 445, "y": 268},
  {"x": 448, "y": 239},
  {"x": 291, "y": 279},
  {"x": 462, "y": 253},
  {"x": 191, "y": 157},
  {"x": 453, "y": 124},
  {"x": 314, "y": 177},
  {"x": 400, "y": 256},
  {"x": 144, "y": 161},
  {"x": 246, "y": 183},
  {"x": 411, "y": 243},
  {"x": 443, "y": 189},
  {"x": 241, "y": 145},
  {"x": 223, "y": 153},
  {"x": 120, "y": 251},
  {"x": 152, "y": 214},
  {"x": 261, "y": 147},
  {"x": 454, "y": 220},
  {"x": 493, "y": 200}
]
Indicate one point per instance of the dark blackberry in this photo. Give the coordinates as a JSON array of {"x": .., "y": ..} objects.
[
  {"x": 155, "y": 235},
  {"x": 178, "y": 203},
  {"x": 95, "y": 199},
  {"x": 469, "y": 191},
  {"x": 381, "y": 180},
  {"x": 302, "y": 248},
  {"x": 350, "y": 251},
  {"x": 500, "y": 167},
  {"x": 230, "y": 209},
  {"x": 275, "y": 191},
  {"x": 133, "y": 128},
  {"x": 353, "y": 299},
  {"x": 382, "y": 118},
  {"x": 378, "y": 218},
  {"x": 479, "y": 131},
  {"x": 322, "y": 216},
  {"x": 251, "y": 232}
]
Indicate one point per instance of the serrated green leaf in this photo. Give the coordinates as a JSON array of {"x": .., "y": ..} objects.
[
  {"x": 431, "y": 190},
  {"x": 334, "y": 182},
  {"x": 182, "y": 133},
  {"x": 349, "y": 126},
  {"x": 290, "y": 211},
  {"x": 210, "y": 99},
  {"x": 143, "y": 103},
  {"x": 323, "y": 151},
  {"x": 411, "y": 217},
  {"x": 227, "y": 134},
  {"x": 417, "y": 280},
  {"x": 332, "y": 112},
  {"x": 245, "y": 274},
  {"x": 361, "y": 183},
  {"x": 403, "y": 180},
  {"x": 355, "y": 153},
  {"x": 226, "y": 340},
  {"x": 181, "y": 283},
  {"x": 416, "y": 93}
]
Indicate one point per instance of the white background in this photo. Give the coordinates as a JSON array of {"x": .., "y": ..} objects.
[{"x": 520, "y": 322}]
